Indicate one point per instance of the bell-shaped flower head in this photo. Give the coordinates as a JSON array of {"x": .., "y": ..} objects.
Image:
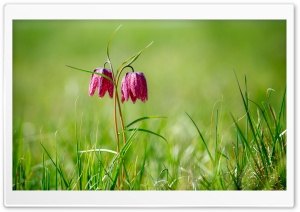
[
  {"x": 103, "y": 84},
  {"x": 125, "y": 87},
  {"x": 134, "y": 86}
]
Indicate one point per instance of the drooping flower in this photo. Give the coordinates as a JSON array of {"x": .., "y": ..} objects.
[
  {"x": 134, "y": 86},
  {"x": 102, "y": 83}
]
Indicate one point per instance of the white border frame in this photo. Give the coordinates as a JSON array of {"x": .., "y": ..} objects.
[{"x": 147, "y": 198}]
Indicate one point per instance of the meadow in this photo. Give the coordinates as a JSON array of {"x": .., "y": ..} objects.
[{"x": 215, "y": 117}]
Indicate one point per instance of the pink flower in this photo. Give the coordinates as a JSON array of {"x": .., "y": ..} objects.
[
  {"x": 102, "y": 83},
  {"x": 134, "y": 86}
]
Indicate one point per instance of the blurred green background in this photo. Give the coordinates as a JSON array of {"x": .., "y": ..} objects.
[{"x": 189, "y": 68}]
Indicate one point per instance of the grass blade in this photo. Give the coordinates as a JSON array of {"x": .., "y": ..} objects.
[
  {"x": 98, "y": 150},
  {"x": 282, "y": 107},
  {"x": 261, "y": 151},
  {"x": 244, "y": 140},
  {"x": 92, "y": 72},
  {"x": 263, "y": 146},
  {"x": 58, "y": 168},
  {"x": 142, "y": 167},
  {"x": 147, "y": 131},
  {"x": 121, "y": 156},
  {"x": 109, "y": 41},
  {"x": 133, "y": 58},
  {"x": 79, "y": 163},
  {"x": 144, "y": 118},
  {"x": 211, "y": 158}
]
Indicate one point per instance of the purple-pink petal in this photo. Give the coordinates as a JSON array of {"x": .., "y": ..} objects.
[
  {"x": 134, "y": 86},
  {"x": 103, "y": 84},
  {"x": 94, "y": 83},
  {"x": 132, "y": 97},
  {"x": 111, "y": 88},
  {"x": 124, "y": 88},
  {"x": 142, "y": 84}
]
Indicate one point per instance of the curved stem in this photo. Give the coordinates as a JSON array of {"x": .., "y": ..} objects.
[
  {"x": 121, "y": 115},
  {"x": 123, "y": 130},
  {"x": 118, "y": 101},
  {"x": 119, "y": 73},
  {"x": 117, "y": 104},
  {"x": 115, "y": 97},
  {"x": 121, "y": 119},
  {"x": 115, "y": 120},
  {"x": 128, "y": 67},
  {"x": 108, "y": 63}
]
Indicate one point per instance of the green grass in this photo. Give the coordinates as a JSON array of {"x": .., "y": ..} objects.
[
  {"x": 204, "y": 127},
  {"x": 254, "y": 160}
]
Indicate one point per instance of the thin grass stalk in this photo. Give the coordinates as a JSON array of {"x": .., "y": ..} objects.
[
  {"x": 56, "y": 159},
  {"x": 121, "y": 115},
  {"x": 57, "y": 167},
  {"x": 216, "y": 141},
  {"x": 278, "y": 128},
  {"x": 261, "y": 147},
  {"x": 115, "y": 97},
  {"x": 117, "y": 104},
  {"x": 79, "y": 168},
  {"x": 243, "y": 139},
  {"x": 206, "y": 147},
  {"x": 143, "y": 166},
  {"x": 99, "y": 169},
  {"x": 119, "y": 158},
  {"x": 237, "y": 159},
  {"x": 265, "y": 153},
  {"x": 252, "y": 128},
  {"x": 234, "y": 178},
  {"x": 246, "y": 106},
  {"x": 44, "y": 170}
]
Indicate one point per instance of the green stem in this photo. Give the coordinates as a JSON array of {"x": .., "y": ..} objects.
[
  {"x": 115, "y": 120},
  {"x": 117, "y": 104},
  {"x": 115, "y": 97},
  {"x": 120, "y": 114},
  {"x": 118, "y": 100},
  {"x": 121, "y": 119}
]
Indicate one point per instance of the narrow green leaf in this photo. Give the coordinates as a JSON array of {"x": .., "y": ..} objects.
[
  {"x": 256, "y": 129},
  {"x": 133, "y": 58},
  {"x": 222, "y": 154},
  {"x": 282, "y": 107},
  {"x": 109, "y": 41},
  {"x": 147, "y": 131},
  {"x": 269, "y": 91},
  {"x": 249, "y": 120},
  {"x": 244, "y": 101},
  {"x": 98, "y": 150},
  {"x": 57, "y": 167},
  {"x": 235, "y": 179},
  {"x": 79, "y": 163},
  {"x": 246, "y": 106},
  {"x": 211, "y": 158},
  {"x": 120, "y": 156},
  {"x": 205, "y": 182},
  {"x": 282, "y": 114},
  {"x": 91, "y": 72},
  {"x": 143, "y": 118},
  {"x": 244, "y": 140},
  {"x": 161, "y": 173},
  {"x": 142, "y": 167}
]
